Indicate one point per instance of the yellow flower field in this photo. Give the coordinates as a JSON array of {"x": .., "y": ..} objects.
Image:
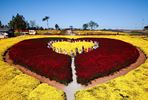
[
  {"x": 87, "y": 32},
  {"x": 14, "y": 85},
  {"x": 41, "y": 32}
]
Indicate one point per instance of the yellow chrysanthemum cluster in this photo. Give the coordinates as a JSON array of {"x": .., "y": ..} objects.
[
  {"x": 14, "y": 85},
  {"x": 69, "y": 48},
  {"x": 46, "y": 92}
]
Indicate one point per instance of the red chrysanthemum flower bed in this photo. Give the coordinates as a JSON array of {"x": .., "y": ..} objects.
[
  {"x": 34, "y": 55},
  {"x": 112, "y": 55}
]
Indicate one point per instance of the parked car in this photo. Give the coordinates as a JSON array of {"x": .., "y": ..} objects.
[
  {"x": 4, "y": 32},
  {"x": 2, "y": 36},
  {"x": 32, "y": 32}
]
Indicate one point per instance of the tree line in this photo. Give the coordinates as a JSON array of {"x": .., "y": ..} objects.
[{"x": 19, "y": 22}]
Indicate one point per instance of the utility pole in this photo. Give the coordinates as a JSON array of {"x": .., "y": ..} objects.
[{"x": 142, "y": 24}]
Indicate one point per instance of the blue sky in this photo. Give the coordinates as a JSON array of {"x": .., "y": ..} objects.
[{"x": 116, "y": 14}]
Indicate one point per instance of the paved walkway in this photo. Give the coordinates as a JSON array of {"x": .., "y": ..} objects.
[{"x": 71, "y": 89}]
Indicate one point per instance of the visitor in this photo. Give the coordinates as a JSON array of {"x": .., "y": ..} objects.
[
  {"x": 95, "y": 45},
  {"x": 60, "y": 51},
  {"x": 89, "y": 49},
  {"x": 82, "y": 49},
  {"x": 56, "y": 50},
  {"x": 85, "y": 50},
  {"x": 76, "y": 51},
  {"x": 72, "y": 53},
  {"x": 64, "y": 52}
]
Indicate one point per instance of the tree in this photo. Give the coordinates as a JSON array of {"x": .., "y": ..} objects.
[
  {"x": 57, "y": 27},
  {"x": 71, "y": 27},
  {"x": 1, "y": 24},
  {"x": 32, "y": 24},
  {"x": 40, "y": 28},
  {"x": 85, "y": 26},
  {"x": 93, "y": 25},
  {"x": 146, "y": 28},
  {"x": 46, "y": 18},
  {"x": 18, "y": 23},
  {"x": 27, "y": 25}
]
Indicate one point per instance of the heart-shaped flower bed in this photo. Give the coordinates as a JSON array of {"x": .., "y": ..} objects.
[{"x": 40, "y": 57}]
